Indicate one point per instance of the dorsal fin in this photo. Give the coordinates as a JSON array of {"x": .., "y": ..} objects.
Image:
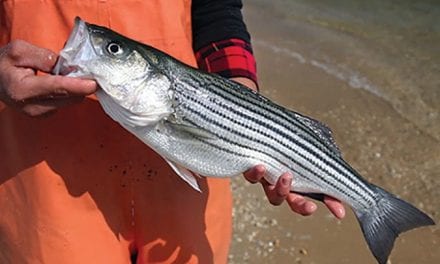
[{"x": 321, "y": 130}]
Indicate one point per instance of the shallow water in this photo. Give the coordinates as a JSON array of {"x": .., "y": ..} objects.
[
  {"x": 389, "y": 48},
  {"x": 371, "y": 71}
]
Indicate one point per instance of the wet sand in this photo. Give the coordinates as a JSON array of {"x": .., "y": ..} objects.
[{"x": 387, "y": 148}]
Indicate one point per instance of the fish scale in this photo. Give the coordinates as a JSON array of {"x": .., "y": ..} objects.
[
  {"x": 256, "y": 106},
  {"x": 316, "y": 159},
  {"x": 205, "y": 124}
]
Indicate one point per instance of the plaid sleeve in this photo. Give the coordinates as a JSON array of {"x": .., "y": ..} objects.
[{"x": 228, "y": 58}]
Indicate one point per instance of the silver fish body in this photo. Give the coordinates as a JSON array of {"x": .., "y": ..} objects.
[{"x": 211, "y": 126}]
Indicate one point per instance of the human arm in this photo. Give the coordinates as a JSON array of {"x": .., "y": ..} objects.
[
  {"x": 23, "y": 89},
  {"x": 221, "y": 41},
  {"x": 223, "y": 46}
]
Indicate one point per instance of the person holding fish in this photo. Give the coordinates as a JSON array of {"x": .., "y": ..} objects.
[{"x": 75, "y": 187}]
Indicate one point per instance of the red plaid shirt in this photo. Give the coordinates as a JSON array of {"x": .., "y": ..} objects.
[{"x": 228, "y": 58}]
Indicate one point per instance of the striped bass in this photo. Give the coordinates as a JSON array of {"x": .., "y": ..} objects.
[{"x": 204, "y": 124}]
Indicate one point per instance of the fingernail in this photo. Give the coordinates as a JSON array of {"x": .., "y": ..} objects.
[
  {"x": 91, "y": 84},
  {"x": 341, "y": 213},
  {"x": 286, "y": 181},
  {"x": 260, "y": 169},
  {"x": 311, "y": 207}
]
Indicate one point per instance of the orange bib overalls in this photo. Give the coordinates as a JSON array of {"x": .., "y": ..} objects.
[{"x": 77, "y": 188}]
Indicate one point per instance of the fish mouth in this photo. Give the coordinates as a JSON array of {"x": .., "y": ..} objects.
[{"x": 77, "y": 50}]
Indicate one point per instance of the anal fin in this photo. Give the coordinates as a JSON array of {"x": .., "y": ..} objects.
[{"x": 187, "y": 175}]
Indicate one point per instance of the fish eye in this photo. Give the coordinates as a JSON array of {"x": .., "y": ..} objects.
[{"x": 114, "y": 48}]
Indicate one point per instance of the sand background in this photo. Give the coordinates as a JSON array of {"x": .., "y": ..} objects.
[{"x": 376, "y": 83}]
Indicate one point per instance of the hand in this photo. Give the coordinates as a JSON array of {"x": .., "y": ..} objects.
[
  {"x": 22, "y": 88},
  {"x": 281, "y": 191},
  {"x": 246, "y": 82}
]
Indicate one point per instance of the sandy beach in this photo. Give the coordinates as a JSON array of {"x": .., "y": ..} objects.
[{"x": 384, "y": 121}]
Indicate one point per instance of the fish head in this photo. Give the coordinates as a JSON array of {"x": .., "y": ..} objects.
[
  {"x": 128, "y": 80},
  {"x": 103, "y": 55}
]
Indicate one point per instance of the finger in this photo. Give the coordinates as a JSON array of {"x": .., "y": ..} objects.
[
  {"x": 45, "y": 106},
  {"x": 277, "y": 193},
  {"x": 38, "y": 110},
  {"x": 24, "y": 54},
  {"x": 38, "y": 86},
  {"x": 335, "y": 206},
  {"x": 255, "y": 174},
  {"x": 300, "y": 205}
]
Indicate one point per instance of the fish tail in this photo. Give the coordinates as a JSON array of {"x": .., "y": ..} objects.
[{"x": 382, "y": 223}]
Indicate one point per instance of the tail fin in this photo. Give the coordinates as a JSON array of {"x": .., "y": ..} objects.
[{"x": 382, "y": 224}]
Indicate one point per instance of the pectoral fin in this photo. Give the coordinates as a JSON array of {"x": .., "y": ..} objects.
[
  {"x": 187, "y": 175},
  {"x": 189, "y": 129}
]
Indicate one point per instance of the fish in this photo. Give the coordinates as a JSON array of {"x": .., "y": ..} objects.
[{"x": 204, "y": 124}]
